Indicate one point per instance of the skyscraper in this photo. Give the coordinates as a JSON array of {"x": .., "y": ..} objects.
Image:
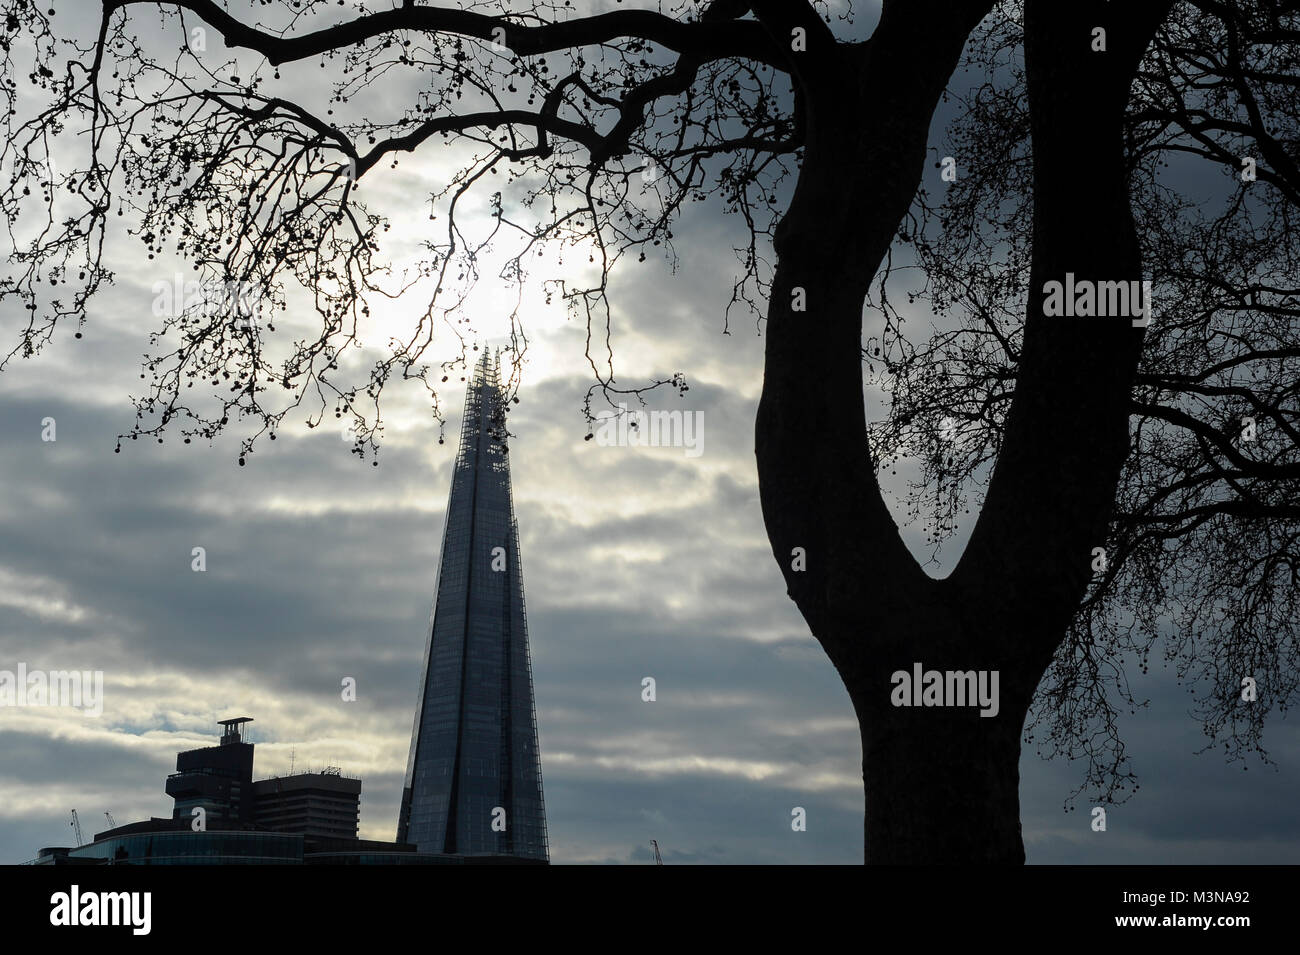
[{"x": 474, "y": 778}]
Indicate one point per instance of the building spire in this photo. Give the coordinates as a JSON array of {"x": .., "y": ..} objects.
[{"x": 474, "y": 762}]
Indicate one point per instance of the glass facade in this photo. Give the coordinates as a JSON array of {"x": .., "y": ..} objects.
[
  {"x": 473, "y": 779},
  {"x": 196, "y": 848}
]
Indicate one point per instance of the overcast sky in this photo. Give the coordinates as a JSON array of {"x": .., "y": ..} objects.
[{"x": 637, "y": 562}]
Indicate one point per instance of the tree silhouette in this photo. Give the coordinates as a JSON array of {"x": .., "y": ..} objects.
[
  {"x": 1201, "y": 550},
  {"x": 599, "y": 130}
]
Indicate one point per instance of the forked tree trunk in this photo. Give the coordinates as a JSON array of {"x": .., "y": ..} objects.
[{"x": 941, "y": 783}]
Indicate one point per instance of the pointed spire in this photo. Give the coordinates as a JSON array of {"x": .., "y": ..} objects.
[{"x": 482, "y": 368}]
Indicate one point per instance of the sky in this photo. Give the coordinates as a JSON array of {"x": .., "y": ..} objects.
[{"x": 636, "y": 561}]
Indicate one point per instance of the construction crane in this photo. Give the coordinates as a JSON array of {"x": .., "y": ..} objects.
[
  {"x": 76, "y": 827},
  {"x": 659, "y": 860},
  {"x": 112, "y": 823}
]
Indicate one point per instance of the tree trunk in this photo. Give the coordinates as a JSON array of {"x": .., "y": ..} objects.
[
  {"x": 942, "y": 786},
  {"x": 941, "y": 782}
]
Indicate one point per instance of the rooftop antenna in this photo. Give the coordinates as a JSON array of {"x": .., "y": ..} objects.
[
  {"x": 659, "y": 860},
  {"x": 293, "y": 751}
]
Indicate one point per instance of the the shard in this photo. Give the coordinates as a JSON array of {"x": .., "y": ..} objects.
[{"x": 474, "y": 778}]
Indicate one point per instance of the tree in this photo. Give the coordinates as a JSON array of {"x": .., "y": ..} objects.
[{"x": 729, "y": 99}]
